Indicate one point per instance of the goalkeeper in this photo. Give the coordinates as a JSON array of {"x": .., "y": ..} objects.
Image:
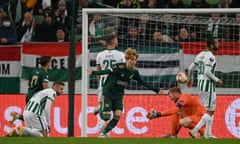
[
  {"x": 187, "y": 111},
  {"x": 113, "y": 88}
]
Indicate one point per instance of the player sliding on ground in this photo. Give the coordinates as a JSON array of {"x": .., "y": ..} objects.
[
  {"x": 113, "y": 88},
  {"x": 37, "y": 113},
  {"x": 186, "y": 112}
]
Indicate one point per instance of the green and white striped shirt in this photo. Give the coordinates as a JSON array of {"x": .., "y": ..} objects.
[
  {"x": 206, "y": 63},
  {"x": 40, "y": 103}
]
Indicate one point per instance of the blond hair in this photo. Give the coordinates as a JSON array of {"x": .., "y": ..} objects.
[{"x": 130, "y": 53}]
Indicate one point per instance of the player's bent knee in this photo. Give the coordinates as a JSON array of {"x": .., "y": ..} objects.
[
  {"x": 185, "y": 122},
  {"x": 105, "y": 116}
]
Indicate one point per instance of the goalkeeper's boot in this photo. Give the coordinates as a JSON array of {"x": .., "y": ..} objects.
[
  {"x": 192, "y": 134},
  {"x": 14, "y": 116},
  {"x": 20, "y": 130},
  {"x": 11, "y": 133}
]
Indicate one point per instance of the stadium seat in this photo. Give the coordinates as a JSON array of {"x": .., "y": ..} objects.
[
  {"x": 78, "y": 37},
  {"x": 187, "y": 2},
  {"x": 39, "y": 19},
  {"x": 212, "y": 2}
]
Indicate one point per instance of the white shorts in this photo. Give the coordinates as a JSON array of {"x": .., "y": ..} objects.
[
  {"x": 208, "y": 99},
  {"x": 34, "y": 121}
]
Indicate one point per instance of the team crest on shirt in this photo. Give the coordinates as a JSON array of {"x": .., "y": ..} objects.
[
  {"x": 121, "y": 66},
  {"x": 106, "y": 105},
  {"x": 122, "y": 75},
  {"x": 131, "y": 76}
]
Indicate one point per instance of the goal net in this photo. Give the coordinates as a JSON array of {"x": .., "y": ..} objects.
[{"x": 167, "y": 41}]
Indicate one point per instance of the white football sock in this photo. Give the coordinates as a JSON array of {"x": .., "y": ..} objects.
[
  {"x": 31, "y": 132},
  {"x": 201, "y": 123},
  {"x": 208, "y": 131}
]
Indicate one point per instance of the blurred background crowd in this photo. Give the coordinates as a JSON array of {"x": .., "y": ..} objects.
[{"x": 50, "y": 21}]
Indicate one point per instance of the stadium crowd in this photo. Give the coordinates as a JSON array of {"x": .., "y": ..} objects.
[{"x": 49, "y": 21}]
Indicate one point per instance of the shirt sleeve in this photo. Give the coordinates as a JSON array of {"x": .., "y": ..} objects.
[
  {"x": 209, "y": 64},
  {"x": 49, "y": 102},
  {"x": 138, "y": 78},
  {"x": 182, "y": 101},
  {"x": 169, "y": 112}
]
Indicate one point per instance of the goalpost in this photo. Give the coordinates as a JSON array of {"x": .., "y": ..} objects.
[{"x": 160, "y": 61}]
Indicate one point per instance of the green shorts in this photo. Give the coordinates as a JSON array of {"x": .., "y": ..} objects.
[{"x": 111, "y": 103}]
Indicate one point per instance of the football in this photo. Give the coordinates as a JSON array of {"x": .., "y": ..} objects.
[{"x": 181, "y": 77}]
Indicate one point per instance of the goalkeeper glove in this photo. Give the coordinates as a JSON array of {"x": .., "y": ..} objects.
[{"x": 153, "y": 114}]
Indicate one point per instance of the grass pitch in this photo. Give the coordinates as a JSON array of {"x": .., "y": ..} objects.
[{"x": 74, "y": 140}]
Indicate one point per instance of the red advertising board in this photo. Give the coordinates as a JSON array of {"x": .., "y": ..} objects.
[{"x": 133, "y": 122}]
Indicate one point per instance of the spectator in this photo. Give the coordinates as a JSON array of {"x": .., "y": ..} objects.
[
  {"x": 183, "y": 36},
  {"x": 235, "y": 29},
  {"x": 61, "y": 15},
  {"x": 132, "y": 39},
  {"x": 174, "y": 4},
  {"x": 235, "y": 4},
  {"x": 161, "y": 3},
  {"x": 27, "y": 29},
  {"x": 2, "y": 14},
  {"x": 128, "y": 4},
  {"x": 30, "y": 4},
  {"x": 215, "y": 28},
  {"x": 149, "y": 4},
  {"x": 81, "y": 4},
  {"x": 15, "y": 9},
  {"x": 112, "y": 3},
  {"x": 167, "y": 25},
  {"x": 8, "y": 34},
  {"x": 199, "y": 4},
  {"x": 224, "y": 4},
  {"x": 212, "y": 3},
  {"x": 158, "y": 37},
  {"x": 146, "y": 27},
  {"x": 61, "y": 35},
  {"x": 41, "y": 6},
  {"x": 193, "y": 26},
  {"x": 46, "y": 31},
  {"x": 96, "y": 26}
]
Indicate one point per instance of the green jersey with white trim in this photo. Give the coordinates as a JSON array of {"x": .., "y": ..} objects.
[
  {"x": 119, "y": 77},
  {"x": 36, "y": 79}
]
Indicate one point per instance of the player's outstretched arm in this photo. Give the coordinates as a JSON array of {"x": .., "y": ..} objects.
[{"x": 100, "y": 72}]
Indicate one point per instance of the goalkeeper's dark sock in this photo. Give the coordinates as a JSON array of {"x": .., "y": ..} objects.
[{"x": 111, "y": 124}]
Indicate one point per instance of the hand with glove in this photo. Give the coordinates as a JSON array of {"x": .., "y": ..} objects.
[{"x": 153, "y": 114}]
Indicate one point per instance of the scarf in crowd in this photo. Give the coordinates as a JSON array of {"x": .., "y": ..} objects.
[
  {"x": 27, "y": 36},
  {"x": 213, "y": 27},
  {"x": 18, "y": 12}
]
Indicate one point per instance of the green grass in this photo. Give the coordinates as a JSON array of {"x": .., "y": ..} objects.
[{"x": 29, "y": 140}]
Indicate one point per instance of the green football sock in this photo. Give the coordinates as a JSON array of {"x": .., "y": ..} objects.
[{"x": 111, "y": 124}]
